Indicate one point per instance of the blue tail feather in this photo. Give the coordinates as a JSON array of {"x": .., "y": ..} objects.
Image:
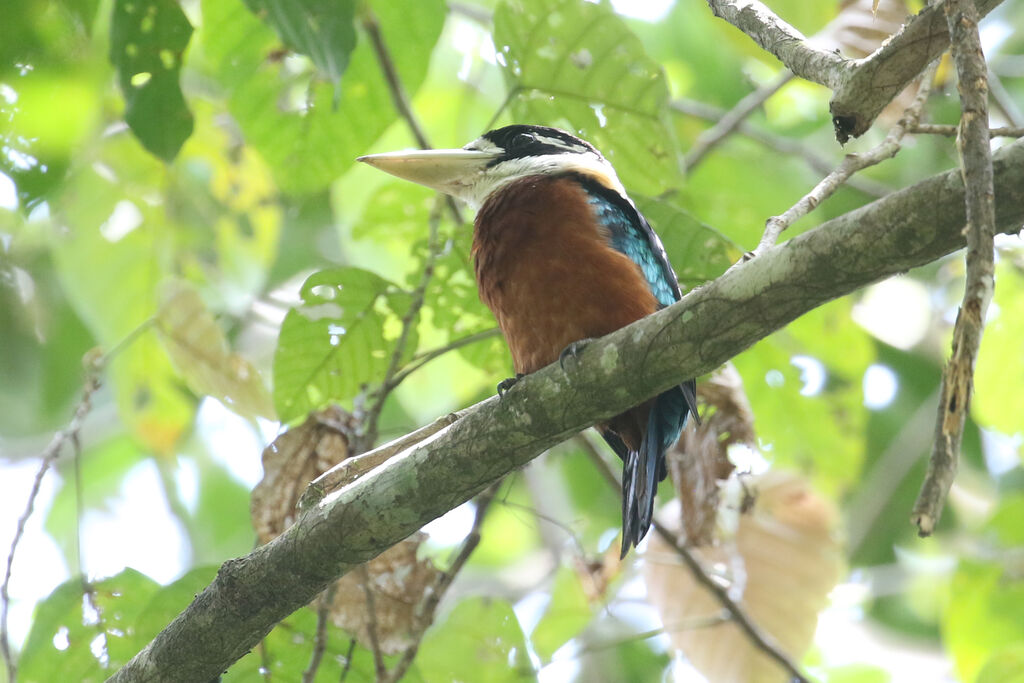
[{"x": 643, "y": 469}]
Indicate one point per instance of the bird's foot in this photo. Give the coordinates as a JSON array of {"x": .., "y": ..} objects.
[
  {"x": 507, "y": 383},
  {"x": 573, "y": 350}
]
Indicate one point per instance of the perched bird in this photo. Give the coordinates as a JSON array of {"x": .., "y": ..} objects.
[{"x": 562, "y": 255}]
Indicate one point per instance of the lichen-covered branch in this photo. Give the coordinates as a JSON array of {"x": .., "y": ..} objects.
[
  {"x": 782, "y": 40},
  {"x": 862, "y": 87},
  {"x": 708, "y": 326},
  {"x": 880, "y": 76},
  {"x": 976, "y": 167}
]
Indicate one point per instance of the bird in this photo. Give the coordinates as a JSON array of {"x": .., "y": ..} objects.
[{"x": 562, "y": 255}]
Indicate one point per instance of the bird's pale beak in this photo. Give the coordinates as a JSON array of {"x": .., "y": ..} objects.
[{"x": 453, "y": 171}]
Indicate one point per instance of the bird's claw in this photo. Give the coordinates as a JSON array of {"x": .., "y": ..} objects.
[
  {"x": 507, "y": 383},
  {"x": 573, "y": 349}
]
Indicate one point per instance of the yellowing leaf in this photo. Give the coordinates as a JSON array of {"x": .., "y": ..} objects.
[
  {"x": 199, "y": 350},
  {"x": 785, "y": 562}
]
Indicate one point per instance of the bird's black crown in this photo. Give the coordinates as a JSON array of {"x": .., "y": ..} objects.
[{"x": 520, "y": 141}]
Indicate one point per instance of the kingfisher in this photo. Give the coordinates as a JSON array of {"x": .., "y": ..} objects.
[{"x": 562, "y": 255}]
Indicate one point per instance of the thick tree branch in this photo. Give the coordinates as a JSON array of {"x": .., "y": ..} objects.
[
  {"x": 863, "y": 87},
  {"x": 711, "y": 324}
]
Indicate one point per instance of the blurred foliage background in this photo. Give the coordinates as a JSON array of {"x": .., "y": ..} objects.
[{"x": 177, "y": 183}]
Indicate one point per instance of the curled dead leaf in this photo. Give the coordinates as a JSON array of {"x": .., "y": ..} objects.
[
  {"x": 781, "y": 565},
  {"x": 399, "y": 581}
]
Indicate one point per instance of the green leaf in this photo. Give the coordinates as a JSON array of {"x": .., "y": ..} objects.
[
  {"x": 339, "y": 341},
  {"x": 567, "y": 613},
  {"x": 821, "y": 434},
  {"x": 287, "y": 650},
  {"x": 321, "y": 29},
  {"x": 168, "y": 602},
  {"x": 147, "y": 41},
  {"x": 985, "y": 616},
  {"x": 1005, "y": 666},
  {"x": 60, "y": 644},
  {"x": 307, "y": 133},
  {"x": 999, "y": 376},
  {"x": 577, "y": 65},
  {"x": 1006, "y": 522},
  {"x": 480, "y": 640}
]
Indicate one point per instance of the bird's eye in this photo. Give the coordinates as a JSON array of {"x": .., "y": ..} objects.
[{"x": 522, "y": 140}]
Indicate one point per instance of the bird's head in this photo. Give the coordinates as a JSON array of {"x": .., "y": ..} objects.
[{"x": 497, "y": 158}]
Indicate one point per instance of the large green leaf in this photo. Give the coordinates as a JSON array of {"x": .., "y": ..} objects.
[
  {"x": 566, "y": 615},
  {"x": 577, "y": 65},
  {"x": 307, "y": 133},
  {"x": 480, "y": 640},
  {"x": 167, "y": 603},
  {"x": 67, "y": 641},
  {"x": 147, "y": 41},
  {"x": 321, "y": 29},
  {"x": 339, "y": 341}
]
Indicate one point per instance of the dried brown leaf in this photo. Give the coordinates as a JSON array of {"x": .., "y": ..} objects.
[
  {"x": 397, "y": 578},
  {"x": 782, "y": 564},
  {"x": 399, "y": 582}
]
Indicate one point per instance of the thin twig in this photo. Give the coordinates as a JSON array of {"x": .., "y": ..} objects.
[
  {"x": 778, "y": 143},
  {"x": 266, "y": 667},
  {"x": 398, "y": 96},
  {"x": 49, "y": 455},
  {"x": 1004, "y": 101},
  {"x": 758, "y": 638},
  {"x": 421, "y": 359},
  {"x": 763, "y": 641},
  {"x": 688, "y": 625},
  {"x": 850, "y": 165},
  {"x": 348, "y": 660},
  {"x": 366, "y": 434},
  {"x": 950, "y": 130},
  {"x": 976, "y": 170},
  {"x": 427, "y": 609},
  {"x": 371, "y": 623},
  {"x": 323, "y": 611},
  {"x": 409, "y": 321},
  {"x": 726, "y": 125},
  {"x": 88, "y": 591}
]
